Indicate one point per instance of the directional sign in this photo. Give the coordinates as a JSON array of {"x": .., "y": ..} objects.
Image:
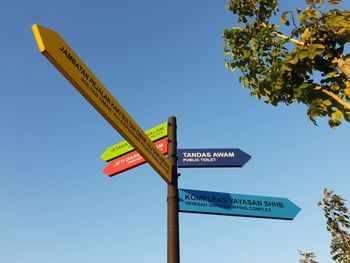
[
  {"x": 132, "y": 160},
  {"x": 155, "y": 134},
  {"x": 193, "y": 201},
  {"x": 57, "y": 51},
  {"x": 212, "y": 158}
]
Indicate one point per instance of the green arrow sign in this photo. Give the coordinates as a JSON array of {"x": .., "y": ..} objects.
[{"x": 116, "y": 150}]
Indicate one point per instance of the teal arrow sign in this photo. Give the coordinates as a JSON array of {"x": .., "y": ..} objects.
[{"x": 203, "y": 202}]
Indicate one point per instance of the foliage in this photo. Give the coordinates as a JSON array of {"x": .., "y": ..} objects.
[
  {"x": 308, "y": 257},
  {"x": 313, "y": 70},
  {"x": 338, "y": 224}
]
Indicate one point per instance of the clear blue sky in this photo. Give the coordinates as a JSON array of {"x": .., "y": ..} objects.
[{"x": 158, "y": 58}]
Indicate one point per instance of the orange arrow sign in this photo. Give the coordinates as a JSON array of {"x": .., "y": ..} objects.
[{"x": 131, "y": 160}]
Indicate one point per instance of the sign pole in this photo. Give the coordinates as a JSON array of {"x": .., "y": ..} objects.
[{"x": 173, "y": 196}]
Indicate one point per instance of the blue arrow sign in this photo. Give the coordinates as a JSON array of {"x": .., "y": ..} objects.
[
  {"x": 203, "y": 202},
  {"x": 212, "y": 158}
]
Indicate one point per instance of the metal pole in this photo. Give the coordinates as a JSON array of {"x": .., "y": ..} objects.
[{"x": 173, "y": 197}]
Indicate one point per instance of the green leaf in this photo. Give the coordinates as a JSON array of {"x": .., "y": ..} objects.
[
  {"x": 293, "y": 60},
  {"x": 229, "y": 65},
  {"x": 284, "y": 21},
  {"x": 286, "y": 67},
  {"x": 298, "y": 92},
  {"x": 302, "y": 19},
  {"x": 303, "y": 53},
  {"x": 304, "y": 86},
  {"x": 306, "y": 34},
  {"x": 318, "y": 46},
  {"x": 327, "y": 102},
  {"x": 246, "y": 54},
  {"x": 333, "y": 2},
  {"x": 334, "y": 123},
  {"x": 315, "y": 50},
  {"x": 332, "y": 73},
  {"x": 335, "y": 87},
  {"x": 338, "y": 115},
  {"x": 347, "y": 93}
]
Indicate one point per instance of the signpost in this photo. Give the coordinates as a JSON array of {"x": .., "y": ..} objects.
[
  {"x": 203, "y": 202},
  {"x": 212, "y": 158},
  {"x": 57, "y": 51},
  {"x": 119, "y": 149},
  {"x": 132, "y": 160}
]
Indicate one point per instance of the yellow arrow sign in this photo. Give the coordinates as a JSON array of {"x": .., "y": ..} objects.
[{"x": 57, "y": 51}]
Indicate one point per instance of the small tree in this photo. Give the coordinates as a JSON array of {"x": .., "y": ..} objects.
[
  {"x": 307, "y": 257},
  {"x": 338, "y": 224},
  {"x": 313, "y": 70}
]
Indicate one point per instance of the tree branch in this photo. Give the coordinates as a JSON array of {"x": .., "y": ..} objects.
[
  {"x": 343, "y": 66},
  {"x": 336, "y": 98},
  {"x": 293, "y": 40}
]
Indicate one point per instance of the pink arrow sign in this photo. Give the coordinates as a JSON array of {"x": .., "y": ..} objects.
[{"x": 132, "y": 159}]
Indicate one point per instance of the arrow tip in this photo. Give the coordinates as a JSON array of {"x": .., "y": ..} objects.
[{"x": 36, "y": 31}]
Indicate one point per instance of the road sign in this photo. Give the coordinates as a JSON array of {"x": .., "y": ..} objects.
[
  {"x": 131, "y": 160},
  {"x": 212, "y": 158},
  {"x": 119, "y": 149},
  {"x": 57, "y": 51},
  {"x": 203, "y": 202}
]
